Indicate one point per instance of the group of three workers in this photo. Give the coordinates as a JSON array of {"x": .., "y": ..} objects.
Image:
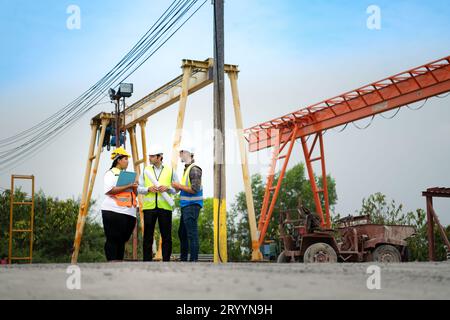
[{"x": 158, "y": 183}]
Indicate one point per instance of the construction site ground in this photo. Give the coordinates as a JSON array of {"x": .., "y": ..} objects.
[{"x": 207, "y": 281}]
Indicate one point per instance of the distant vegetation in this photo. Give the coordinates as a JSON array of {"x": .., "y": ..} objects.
[{"x": 55, "y": 222}]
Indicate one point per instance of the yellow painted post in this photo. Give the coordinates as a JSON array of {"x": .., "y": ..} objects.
[
  {"x": 158, "y": 255},
  {"x": 220, "y": 233},
  {"x": 137, "y": 169},
  {"x": 220, "y": 190},
  {"x": 187, "y": 71},
  {"x": 87, "y": 174},
  {"x": 84, "y": 205},
  {"x": 142, "y": 125},
  {"x": 181, "y": 113},
  {"x": 256, "y": 253}
]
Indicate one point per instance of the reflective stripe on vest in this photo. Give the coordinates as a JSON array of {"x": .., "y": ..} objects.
[
  {"x": 124, "y": 198},
  {"x": 151, "y": 200},
  {"x": 186, "y": 198}
]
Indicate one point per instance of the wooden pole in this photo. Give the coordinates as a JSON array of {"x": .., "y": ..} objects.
[
  {"x": 220, "y": 211},
  {"x": 256, "y": 253},
  {"x": 430, "y": 230},
  {"x": 87, "y": 174},
  {"x": 137, "y": 169},
  {"x": 440, "y": 228},
  {"x": 187, "y": 71},
  {"x": 142, "y": 125},
  {"x": 85, "y": 204},
  {"x": 134, "y": 155},
  {"x": 181, "y": 113},
  {"x": 158, "y": 255}
]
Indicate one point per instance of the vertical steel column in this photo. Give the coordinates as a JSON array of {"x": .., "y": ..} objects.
[
  {"x": 84, "y": 206},
  {"x": 430, "y": 230},
  {"x": 256, "y": 253}
]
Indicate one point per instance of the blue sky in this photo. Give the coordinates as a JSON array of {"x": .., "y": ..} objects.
[
  {"x": 291, "y": 54},
  {"x": 37, "y": 43}
]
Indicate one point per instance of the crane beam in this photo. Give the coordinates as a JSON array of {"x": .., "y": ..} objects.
[
  {"x": 170, "y": 93},
  {"x": 397, "y": 91}
]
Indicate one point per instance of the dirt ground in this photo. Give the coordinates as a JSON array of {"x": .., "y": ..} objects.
[{"x": 206, "y": 281}]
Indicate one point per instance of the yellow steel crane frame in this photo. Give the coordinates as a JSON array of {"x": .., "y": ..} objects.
[{"x": 196, "y": 75}]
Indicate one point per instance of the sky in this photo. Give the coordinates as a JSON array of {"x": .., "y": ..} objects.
[{"x": 291, "y": 54}]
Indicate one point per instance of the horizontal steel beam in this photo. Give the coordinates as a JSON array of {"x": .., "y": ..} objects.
[
  {"x": 400, "y": 90},
  {"x": 168, "y": 94}
]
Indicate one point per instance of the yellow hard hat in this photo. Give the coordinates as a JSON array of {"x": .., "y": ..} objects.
[{"x": 119, "y": 152}]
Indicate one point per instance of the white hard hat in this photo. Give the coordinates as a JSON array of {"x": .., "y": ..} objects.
[
  {"x": 186, "y": 147},
  {"x": 155, "y": 150}
]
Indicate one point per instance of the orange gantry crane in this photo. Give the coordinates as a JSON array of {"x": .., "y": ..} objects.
[{"x": 411, "y": 86}]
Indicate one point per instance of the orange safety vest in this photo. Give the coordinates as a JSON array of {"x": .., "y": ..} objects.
[{"x": 124, "y": 198}]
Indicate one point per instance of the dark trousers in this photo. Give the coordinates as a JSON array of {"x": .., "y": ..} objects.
[
  {"x": 164, "y": 218},
  {"x": 188, "y": 232},
  {"x": 118, "y": 229}
]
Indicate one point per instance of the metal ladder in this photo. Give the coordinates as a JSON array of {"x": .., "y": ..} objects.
[{"x": 13, "y": 231}]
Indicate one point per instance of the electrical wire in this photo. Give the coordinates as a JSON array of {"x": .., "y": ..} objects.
[
  {"x": 65, "y": 118},
  {"x": 43, "y": 129},
  {"x": 142, "y": 40},
  {"x": 103, "y": 86},
  {"x": 341, "y": 130}
]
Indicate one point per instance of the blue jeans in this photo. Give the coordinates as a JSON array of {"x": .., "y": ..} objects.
[{"x": 188, "y": 232}]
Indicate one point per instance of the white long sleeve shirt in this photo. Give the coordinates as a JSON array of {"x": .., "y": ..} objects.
[
  {"x": 109, "y": 204},
  {"x": 143, "y": 190}
]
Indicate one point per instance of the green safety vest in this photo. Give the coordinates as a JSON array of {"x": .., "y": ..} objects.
[{"x": 152, "y": 200}]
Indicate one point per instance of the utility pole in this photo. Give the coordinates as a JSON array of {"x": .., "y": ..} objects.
[{"x": 220, "y": 210}]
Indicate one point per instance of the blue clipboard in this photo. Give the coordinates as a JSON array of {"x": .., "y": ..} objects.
[{"x": 126, "y": 178}]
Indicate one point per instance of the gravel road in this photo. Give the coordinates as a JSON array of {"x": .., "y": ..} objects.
[{"x": 201, "y": 281}]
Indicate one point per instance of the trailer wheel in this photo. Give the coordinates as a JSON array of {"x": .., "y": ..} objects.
[
  {"x": 282, "y": 258},
  {"x": 320, "y": 253},
  {"x": 387, "y": 254}
]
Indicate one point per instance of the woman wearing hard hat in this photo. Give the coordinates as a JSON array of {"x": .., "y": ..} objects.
[{"x": 118, "y": 208}]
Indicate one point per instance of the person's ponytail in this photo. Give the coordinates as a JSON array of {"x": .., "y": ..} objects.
[{"x": 114, "y": 164}]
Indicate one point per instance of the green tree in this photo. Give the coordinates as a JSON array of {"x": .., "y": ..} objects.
[
  {"x": 294, "y": 186},
  {"x": 382, "y": 211},
  {"x": 54, "y": 229},
  {"x": 205, "y": 227}
]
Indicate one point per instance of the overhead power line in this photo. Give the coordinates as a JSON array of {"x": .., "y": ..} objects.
[{"x": 20, "y": 147}]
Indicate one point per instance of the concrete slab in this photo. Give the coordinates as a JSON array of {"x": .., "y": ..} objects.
[{"x": 206, "y": 281}]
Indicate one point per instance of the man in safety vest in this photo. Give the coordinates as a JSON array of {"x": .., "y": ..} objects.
[
  {"x": 155, "y": 184},
  {"x": 191, "y": 201}
]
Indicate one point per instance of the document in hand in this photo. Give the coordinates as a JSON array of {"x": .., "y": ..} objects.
[{"x": 125, "y": 178}]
